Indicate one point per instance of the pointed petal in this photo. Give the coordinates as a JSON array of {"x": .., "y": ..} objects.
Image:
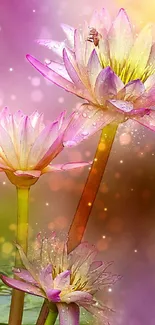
[
  {"x": 77, "y": 259},
  {"x": 120, "y": 105},
  {"x": 62, "y": 280},
  {"x": 42, "y": 144},
  {"x": 60, "y": 69},
  {"x": 23, "y": 286},
  {"x": 93, "y": 68},
  {"x": 101, "y": 20},
  {"x": 107, "y": 85},
  {"x": 147, "y": 100},
  {"x": 56, "y": 46},
  {"x": 151, "y": 62},
  {"x": 24, "y": 275},
  {"x": 120, "y": 40},
  {"x": 132, "y": 90},
  {"x": 8, "y": 150},
  {"x": 80, "y": 46},
  {"x": 26, "y": 139},
  {"x": 71, "y": 71},
  {"x": 147, "y": 120},
  {"x": 45, "y": 277},
  {"x": 53, "y": 295},
  {"x": 95, "y": 265},
  {"x": 104, "y": 51},
  {"x": 77, "y": 296},
  {"x": 150, "y": 82},
  {"x": 87, "y": 121},
  {"x": 69, "y": 31},
  {"x": 142, "y": 45},
  {"x": 27, "y": 264},
  {"x": 65, "y": 167},
  {"x": 57, "y": 79},
  {"x": 71, "y": 313}
]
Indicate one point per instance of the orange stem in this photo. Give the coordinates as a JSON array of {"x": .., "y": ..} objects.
[{"x": 91, "y": 188}]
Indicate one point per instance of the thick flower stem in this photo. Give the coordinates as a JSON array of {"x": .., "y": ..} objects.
[
  {"x": 52, "y": 316},
  {"x": 91, "y": 188},
  {"x": 45, "y": 311},
  {"x": 81, "y": 217},
  {"x": 17, "y": 301}
]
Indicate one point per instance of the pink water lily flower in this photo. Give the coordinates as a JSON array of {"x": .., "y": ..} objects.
[
  {"x": 68, "y": 280},
  {"x": 107, "y": 64},
  {"x": 27, "y": 146}
]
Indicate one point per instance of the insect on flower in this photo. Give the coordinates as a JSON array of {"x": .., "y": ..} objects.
[{"x": 94, "y": 36}]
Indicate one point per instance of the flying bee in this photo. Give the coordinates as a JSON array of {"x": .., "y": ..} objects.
[{"x": 94, "y": 36}]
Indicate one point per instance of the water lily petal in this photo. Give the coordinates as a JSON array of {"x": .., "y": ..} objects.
[
  {"x": 53, "y": 295},
  {"x": 3, "y": 165},
  {"x": 77, "y": 259},
  {"x": 101, "y": 20},
  {"x": 77, "y": 296},
  {"x": 147, "y": 120},
  {"x": 60, "y": 69},
  {"x": 142, "y": 45},
  {"x": 104, "y": 51},
  {"x": 132, "y": 91},
  {"x": 87, "y": 121},
  {"x": 150, "y": 82},
  {"x": 93, "y": 68},
  {"x": 100, "y": 313},
  {"x": 151, "y": 62},
  {"x": 7, "y": 149},
  {"x": 68, "y": 314},
  {"x": 69, "y": 31},
  {"x": 147, "y": 100},
  {"x": 57, "y": 79},
  {"x": 56, "y": 46},
  {"x": 24, "y": 275},
  {"x": 26, "y": 262},
  {"x": 71, "y": 70},
  {"x": 119, "y": 50},
  {"x": 107, "y": 85},
  {"x": 80, "y": 46},
  {"x": 95, "y": 265},
  {"x": 42, "y": 144},
  {"x": 45, "y": 277},
  {"x": 65, "y": 167},
  {"x": 28, "y": 173},
  {"x": 23, "y": 286},
  {"x": 121, "y": 105},
  {"x": 62, "y": 280}
]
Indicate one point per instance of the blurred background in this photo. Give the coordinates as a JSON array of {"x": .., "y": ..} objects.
[{"x": 122, "y": 222}]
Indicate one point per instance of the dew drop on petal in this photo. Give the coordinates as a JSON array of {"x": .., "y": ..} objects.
[
  {"x": 69, "y": 143},
  {"x": 85, "y": 133},
  {"x": 84, "y": 115}
]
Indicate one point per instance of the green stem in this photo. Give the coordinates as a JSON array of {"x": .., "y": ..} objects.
[
  {"x": 91, "y": 188},
  {"x": 17, "y": 301},
  {"x": 52, "y": 316},
  {"x": 44, "y": 312}
]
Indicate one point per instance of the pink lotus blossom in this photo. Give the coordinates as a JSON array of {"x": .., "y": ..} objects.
[
  {"x": 106, "y": 64},
  {"x": 27, "y": 146},
  {"x": 68, "y": 280}
]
